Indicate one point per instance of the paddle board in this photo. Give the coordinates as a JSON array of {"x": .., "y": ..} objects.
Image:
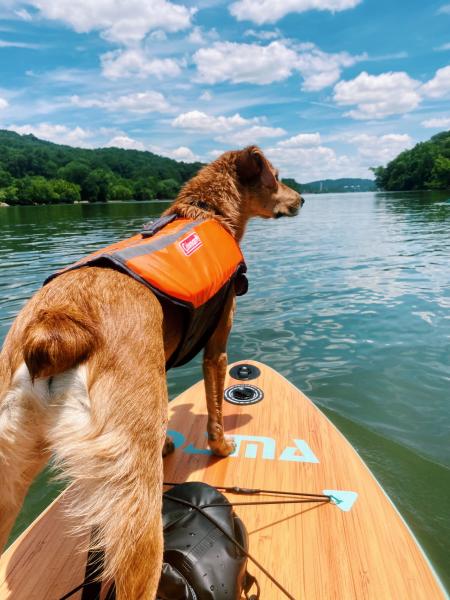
[{"x": 355, "y": 545}]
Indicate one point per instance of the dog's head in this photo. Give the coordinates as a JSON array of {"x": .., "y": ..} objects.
[{"x": 264, "y": 194}]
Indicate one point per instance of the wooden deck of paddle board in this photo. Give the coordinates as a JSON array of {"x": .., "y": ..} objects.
[{"x": 316, "y": 551}]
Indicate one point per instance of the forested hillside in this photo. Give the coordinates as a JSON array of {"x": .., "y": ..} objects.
[
  {"x": 33, "y": 171},
  {"x": 426, "y": 166}
]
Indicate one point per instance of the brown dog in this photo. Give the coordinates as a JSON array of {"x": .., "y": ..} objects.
[{"x": 82, "y": 376}]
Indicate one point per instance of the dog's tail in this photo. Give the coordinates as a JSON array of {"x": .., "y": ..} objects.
[{"x": 57, "y": 339}]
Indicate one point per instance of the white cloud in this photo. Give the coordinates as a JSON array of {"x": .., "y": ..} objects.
[
  {"x": 23, "y": 14},
  {"x": 77, "y": 77},
  {"x": 305, "y": 158},
  {"x": 123, "y": 21},
  {"x": 320, "y": 69},
  {"x": 11, "y": 44},
  {"x": 123, "y": 141},
  {"x": 390, "y": 56},
  {"x": 301, "y": 140},
  {"x": 250, "y": 63},
  {"x": 268, "y": 11},
  {"x": 444, "y": 10},
  {"x": 60, "y": 134},
  {"x": 439, "y": 86},
  {"x": 3, "y": 103},
  {"x": 250, "y": 135},
  {"x": 196, "y": 36},
  {"x": 380, "y": 149},
  {"x": 158, "y": 35},
  {"x": 437, "y": 123},
  {"x": 377, "y": 96},
  {"x": 443, "y": 47},
  {"x": 263, "y": 35},
  {"x": 255, "y": 63},
  {"x": 207, "y": 96},
  {"x": 139, "y": 102},
  {"x": 200, "y": 36},
  {"x": 310, "y": 164},
  {"x": 234, "y": 130},
  {"x": 202, "y": 123},
  {"x": 183, "y": 153},
  {"x": 135, "y": 62}
]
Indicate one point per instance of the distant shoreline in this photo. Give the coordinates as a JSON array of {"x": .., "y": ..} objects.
[
  {"x": 86, "y": 202},
  {"x": 167, "y": 200}
]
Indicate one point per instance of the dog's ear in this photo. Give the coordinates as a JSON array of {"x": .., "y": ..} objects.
[{"x": 251, "y": 164}]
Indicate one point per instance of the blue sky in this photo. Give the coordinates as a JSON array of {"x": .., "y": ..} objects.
[{"x": 327, "y": 88}]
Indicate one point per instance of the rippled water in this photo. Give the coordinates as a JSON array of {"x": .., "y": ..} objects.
[{"x": 350, "y": 301}]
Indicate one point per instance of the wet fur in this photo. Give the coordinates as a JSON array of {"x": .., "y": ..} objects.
[{"x": 82, "y": 376}]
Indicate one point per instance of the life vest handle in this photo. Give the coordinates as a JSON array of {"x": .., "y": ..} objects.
[
  {"x": 153, "y": 227},
  {"x": 241, "y": 281}
]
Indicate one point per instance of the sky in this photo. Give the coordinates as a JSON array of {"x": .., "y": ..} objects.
[{"x": 327, "y": 88}]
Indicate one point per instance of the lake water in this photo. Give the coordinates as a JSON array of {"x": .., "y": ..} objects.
[{"x": 350, "y": 301}]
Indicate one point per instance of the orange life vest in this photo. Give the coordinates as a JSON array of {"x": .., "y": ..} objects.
[{"x": 192, "y": 264}]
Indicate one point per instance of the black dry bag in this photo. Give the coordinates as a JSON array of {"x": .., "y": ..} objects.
[{"x": 201, "y": 562}]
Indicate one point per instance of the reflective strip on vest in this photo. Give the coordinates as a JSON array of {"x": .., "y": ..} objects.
[{"x": 187, "y": 260}]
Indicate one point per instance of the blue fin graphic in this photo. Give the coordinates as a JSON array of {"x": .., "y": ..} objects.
[{"x": 343, "y": 500}]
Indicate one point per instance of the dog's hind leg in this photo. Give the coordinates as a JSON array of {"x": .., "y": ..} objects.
[
  {"x": 22, "y": 451},
  {"x": 109, "y": 442}
]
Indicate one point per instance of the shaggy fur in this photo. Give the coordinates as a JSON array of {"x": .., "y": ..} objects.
[{"x": 82, "y": 377}]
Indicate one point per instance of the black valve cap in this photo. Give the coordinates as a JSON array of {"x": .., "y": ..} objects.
[{"x": 244, "y": 372}]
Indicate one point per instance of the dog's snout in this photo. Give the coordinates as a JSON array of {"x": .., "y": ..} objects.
[{"x": 299, "y": 202}]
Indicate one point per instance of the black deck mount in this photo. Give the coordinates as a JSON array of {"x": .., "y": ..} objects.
[{"x": 243, "y": 394}]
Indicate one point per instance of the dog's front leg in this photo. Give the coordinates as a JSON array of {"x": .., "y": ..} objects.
[{"x": 214, "y": 371}]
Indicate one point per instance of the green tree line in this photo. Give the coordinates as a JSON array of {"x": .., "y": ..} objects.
[
  {"x": 426, "y": 166},
  {"x": 33, "y": 171}
]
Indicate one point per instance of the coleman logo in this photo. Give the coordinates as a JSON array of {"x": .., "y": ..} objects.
[{"x": 190, "y": 243}]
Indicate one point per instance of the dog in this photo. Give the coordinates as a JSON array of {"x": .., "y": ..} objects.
[{"x": 82, "y": 378}]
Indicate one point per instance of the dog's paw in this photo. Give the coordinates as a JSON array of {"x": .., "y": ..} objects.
[
  {"x": 222, "y": 447},
  {"x": 168, "y": 447}
]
